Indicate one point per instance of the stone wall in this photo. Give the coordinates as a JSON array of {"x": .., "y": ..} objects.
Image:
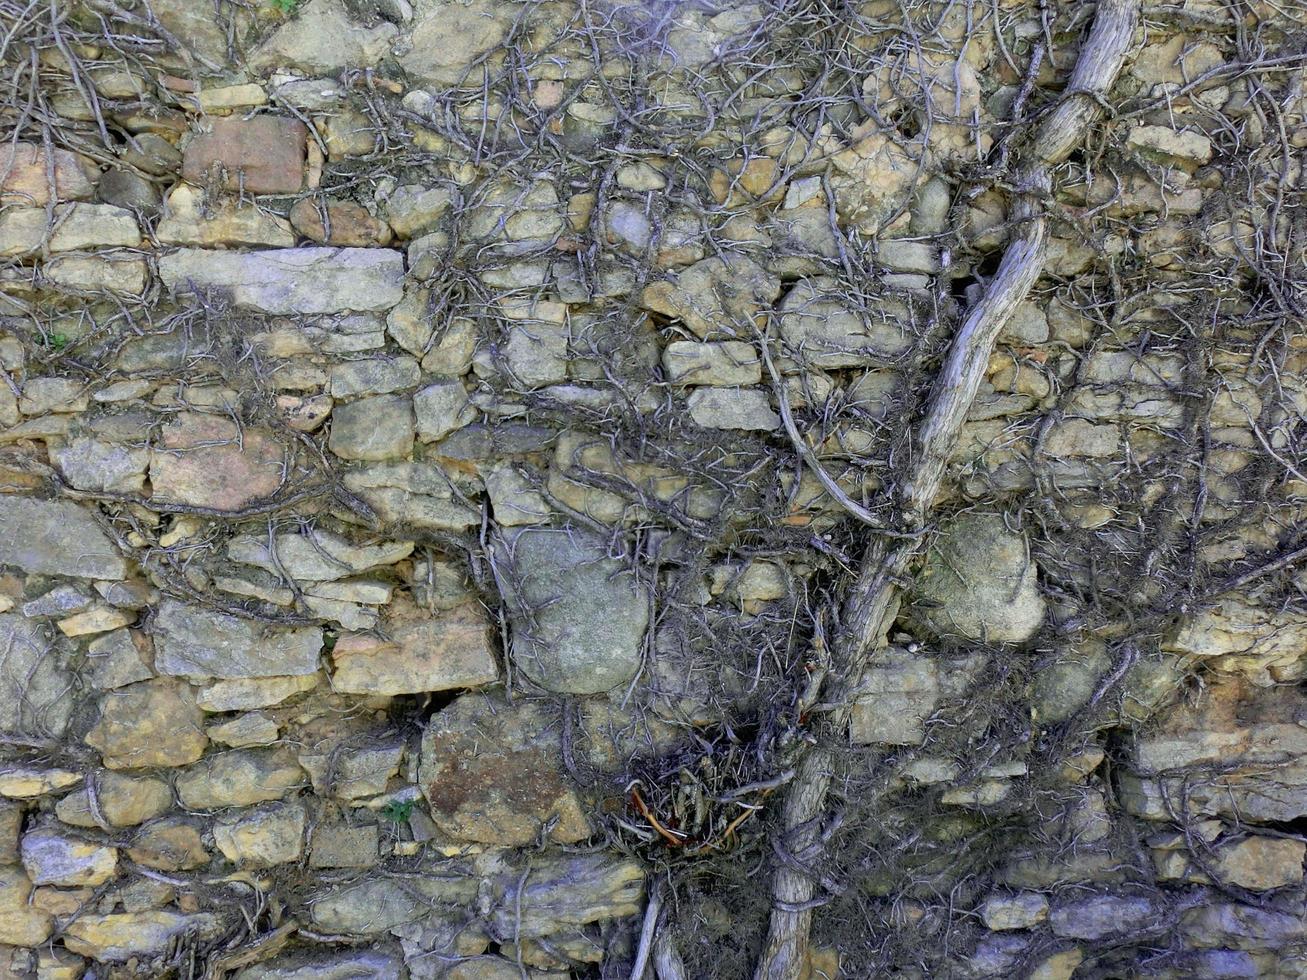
[{"x": 407, "y": 567}]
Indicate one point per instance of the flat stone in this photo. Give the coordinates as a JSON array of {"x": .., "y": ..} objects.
[
  {"x": 24, "y": 175},
  {"x": 51, "y": 858},
  {"x": 123, "y": 801},
  {"x": 264, "y": 837},
  {"x": 373, "y": 429},
  {"x": 42, "y": 395},
  {"x": 91, "y": 464},
  {"x": 339, "y": 964},
  {"x": 244, "y": 731},
  {"x": 442, "y": 408},
  {"x": 498, "y": 783},
  {"x": 27, "y": 782},
  {"x": 345, "y": 223},
  {"x": 745, "y": 409},
  {"x": 536, "y": 350},
  {"x": 210, "y": 461},
  {"x": 424, "y": 652},
  {"x": 374, "y": 376},
  {"x": 54, "y": 537},
  {"x": 1162, "y": 144},
  {"x": 100, "y": 618},
  {"x": 323, "y": 39},
  {"x": 1099, "y": 916},
  {"x": 93, "y": 273},
  {"x": 449, "y": 38},
  {"x": 730, "y": 362},
  {"x": 260, "y": 154},
  {"x": 246, "y": 694},
  {"x": 153, "y": 723},
  {"x": 979, "y": 582},
  {"x": 1021, "y": 911},
  {"x": 514, "y": 498},
  {"x": 822, "y": 329},
  {"x": 191, "y": 220},
  {"x": 342, "y": 846},
  {"x": 293, "y": 280},
  {"x": 36, "y": 687},
  {"x": 115, "y": 660},
  {"x": 193, "y": 641},
  {"x": 413, "y": 209},
  {"x": 170, "y": 844},
  {"x": 1261, "y": 863},
  {"x": 62, "y": 600},
  {"x": 75, "y": 227},
  {"x": 318, "y": 556},
  {"x": 579, "y": 616},
  {"x": 241, "y": 777},
  {"x": 120, "y": 936}
]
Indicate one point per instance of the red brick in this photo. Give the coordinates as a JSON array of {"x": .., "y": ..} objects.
[{"x": 266, "y": 151}]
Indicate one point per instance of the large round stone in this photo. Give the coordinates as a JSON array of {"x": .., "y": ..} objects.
[{"x": 579, "y": 616}]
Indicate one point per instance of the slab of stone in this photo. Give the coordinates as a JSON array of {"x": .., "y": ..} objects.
[
  {"x": 1261, "y": 863},
  {"x": 92, "y": 464},
  {"x": 374, "y": 376},
  {"x": 244, "y": 731},
  {"x": 261, "y": 154},
  {"x": 1023, "y": 910},
  {"x": 579, "y": 617},
  {"x": 450, "y": 37},
  {"x": 99, "y": 618},
  {"x": 261, "y": 838},
  {"x": 979, "y": 582},
  {"x": 293, "y": 280},
  {"x": 115, "y": 273},
  {"x": 247, "y": 694},
  {"x": 153, "y": 723},
  {"x": 192, "y": 641},
  {"x": 53, "y": 858},
  {"x": 718, "y": 298},
  {"x": 745, "y": 409},
  {"x": 115, "y": 660},
  {"x": 75, "y": 226},
  {"x": 337, "y": 222},
  {"x": 30, "y": 782},
  {"x": 822, "y": 329},
  {"x": 120, "y": 936},
  {"x": 729, "y": 362},
  {"x": 353, "y": 772},
  {"x": 191, "y": 220},
  {"x": 318, "y": 556},
  {"x": 24, "y": 175},
  {"x": 442, "y": 408},
  {"x": 373, "y": 429},
  {"x": 323, "y": 39},
  {"x": 241, "y": 777},
  {"x": 170, "y": 844},
  {"x": 210, "y": 461},
  {"x": 122, "y": 801},
  {"x": 424, "y": 652},
  {"x": 36, "y": 688},
  {"x": 20, "y": 923},
  {"x": 337, "y": 845},
  {"x": 492, "y": 774}
]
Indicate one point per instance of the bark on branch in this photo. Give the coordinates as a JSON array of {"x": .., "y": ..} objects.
[{"x": 872, "y": 603}]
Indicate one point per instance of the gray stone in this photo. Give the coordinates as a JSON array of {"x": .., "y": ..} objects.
[
  {"x": 260, "y": 838},
  {"x": 822, "y": 329},
  {"x": 579, "y": 616},
  {"x": 89, "y": 464},
  {"x": 63, "y": 600},
  {"x": 198, "y": 642},
  {"x": 55, "y": 537},
  {"x": 322, "y": 39},
  {"x": 450, "y": 37},
  {"x": 979, "y": 582},
  {"x": 733, "y": 408},
  {"x": 1099, "y": 916},
  {"x": 242, "y": 777},
  {"x": 292, "y": 280},
  {"x": 343, "y": 846},
  {"x": 76, "y": 227},
  {"x": 374, "y": 428},
  {"x": 115, "y": 661},
  {"x": 1020, "y": 911},
  {"x": 374, "y": 376},
  {"x": 731, "y": 362},
  {"x": 121, "y": 936},
  {"x": 717, "y": 298},
  {"x": 124, "y": 189},
  {"x": 442, "y": 408},
  {"x": 318, "y": 556},
  {"x": 35, "y": 685},
  {"x": 52, "y": 858},
  {"x": 412, "y": 209},
  {"x": 346, "y": 964},
  {"x": 153, "y": 723}
]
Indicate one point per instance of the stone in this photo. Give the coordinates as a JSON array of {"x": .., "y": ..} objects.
[
  {"x": 442, "y": 408},
  {"x": 731, "y": 362},
  {"x": 191, "y": 640},
  {"x": 25, "y": 783},
  {"x": 36, "y": 687},
  {"x": 246, "y": 694},
  {"x": 1099, "y": 916},
  {"x": 99, "y": 618},
  {"x": 209, "y": 461},
  {"x": 95, "y": 273},
  {"x": 291, "y": 280},
  {"x": 52, "y": 858},
  {"x": 190, "y": 219},
  {"x": 424, "y": 652},
  {"x": 376, "y": 428},
  {"x": 499, "y": 783},
  {"x": 322, "y": 39},
  {"x": 579, "y": 616},
  {"x": 63, "y": 600},
  {"x": 353, "y": 773},
  {"x": 121, "y": 936},
  {"x": 1235, "y": 636},
  {"x": 25, "y": 181},
  {"x": 821, "y": 329},
  {"x": 260, "y": 154},
  {"x": 717, "y": 298},
  {"x": 374, "y": 376},
  {"x": 316, "y": 556},
  {"x": 254, "y": 728},
  {"x": 75, "y": 227},
  {"x": 536, "y": 351},
  {"x": 339, "y": 964},
  {"x": 20, "y": 923},
  {"x": 979, "y": 582},
  {"x": 337, "y": 222},
  {"x": 105, "y": 467},
  {"x": 125, "y": 189},
  {"x": 1024, "y": 910},
  {"x": 413, "y": 209},
  {"x": 123, "y": 801},
  {"x": 1164, "y": 145},
  {"x": 241, "y": 777},
  {"x": 902, "y": 690},
  {"x": 342, "y": 846},
  {"x": 514, "y": 498},
  {"x": 1261, "y": 863},
  {"x": 732, "y": 408},
  {"x": 449, "y": 38},
  {"x": 210, "y": 100},
  {"x": 873, "y": 178},
  {"x": 153, "y": 723},
  {"x": 263, "y": 837},
  {"x": 170, "y": 844},
  {"x": 42, "y": 395},
  {"x": 56, "y": 538}
]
